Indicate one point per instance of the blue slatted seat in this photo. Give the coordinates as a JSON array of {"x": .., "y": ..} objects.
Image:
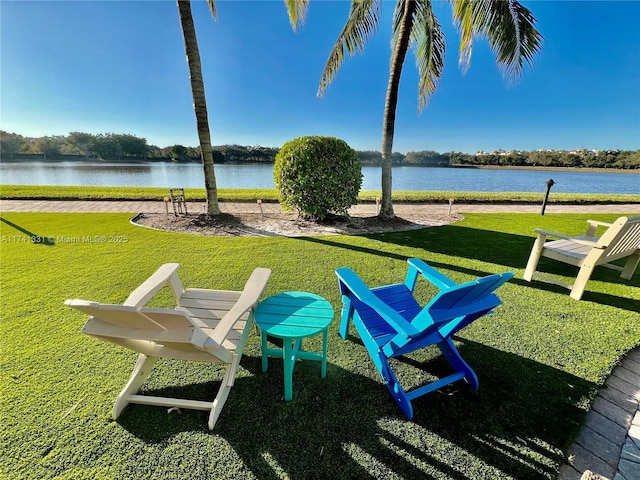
[{"x": 391, "y": 322}]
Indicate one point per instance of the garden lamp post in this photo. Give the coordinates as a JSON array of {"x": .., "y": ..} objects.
[{"x": 550, "y": 183}]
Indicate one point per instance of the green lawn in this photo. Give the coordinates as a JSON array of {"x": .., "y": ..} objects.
[
  {"x": 540, "y": 358},
  {"x": 271, "y": 195}
]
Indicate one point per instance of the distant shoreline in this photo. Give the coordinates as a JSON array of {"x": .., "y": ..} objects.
[
  {"x": 560, "y": 169},
  {"x": 150, "y": 161}
]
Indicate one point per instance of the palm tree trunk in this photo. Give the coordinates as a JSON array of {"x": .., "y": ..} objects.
[
  {"x": 389, "y": 121},
  {"x": 199, "y": 104}
]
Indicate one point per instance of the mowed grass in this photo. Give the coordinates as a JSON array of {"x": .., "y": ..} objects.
[
  {"x": 54, "y": 192},
  {"x": 540, "y": 358}
]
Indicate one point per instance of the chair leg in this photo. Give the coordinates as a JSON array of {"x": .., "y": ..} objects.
[
  {"x": 452, "y": 355},
  {"x": 381, "y": 363},
  {"x": 347, "y": 314},
  {"x": 396, "y": 390},
  {"x": 229, "y": 377},
  {"x": 534, "y": 258},
  {"x": 581, "y": 281},
  {"x": 141, "y": 371},
  {"x": 630, "y": 266},
  {"x": 223, "y": 392}
]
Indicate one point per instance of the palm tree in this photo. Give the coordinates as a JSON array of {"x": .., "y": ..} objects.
[
  {"x": 199, "y": 100},
  {"x": 507, "y": 25}
]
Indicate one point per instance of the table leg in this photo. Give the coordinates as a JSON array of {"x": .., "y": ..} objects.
[
  {"x": 325, "y": 341},
  {"x": 288, "y": 368},
  {"x": 265, "y": 354}
]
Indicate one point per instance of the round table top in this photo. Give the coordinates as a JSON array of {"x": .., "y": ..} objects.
[{"x": 294, "y": 315}]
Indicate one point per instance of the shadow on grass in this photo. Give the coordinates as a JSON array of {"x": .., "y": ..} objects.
[
  {"x": 32, "y": 237},
  {"x": 347, "y": 426},
  {"x": 501, "y": 248},
  {"x": 509, "y": 250}
]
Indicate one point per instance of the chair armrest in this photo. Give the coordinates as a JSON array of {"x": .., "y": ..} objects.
[
  {"x": 581, "y": 241},
  {"x": 599, "y": 223},
  {"x": 350, "y": 281},
  {"x": 253, "y": 289},
  {"x": 593, "y": 227},
  {"x": 548, "y": 233},
  {"x": 141, "y": 295},
  {"x": 429, "y": 273},
  {"x": 84, "y": 306}
]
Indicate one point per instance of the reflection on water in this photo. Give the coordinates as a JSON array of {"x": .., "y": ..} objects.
[{"x": 261, "y": 176}]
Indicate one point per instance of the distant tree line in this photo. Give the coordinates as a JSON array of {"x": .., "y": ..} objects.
[
  {"x": 120, "y": 147},
  {"x": 625, "y": 159},
  {"x": 111, "y": 146},
  {"x": 126, "y": 147}
]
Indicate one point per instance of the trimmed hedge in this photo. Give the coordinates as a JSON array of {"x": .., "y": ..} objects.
[{"x": 317, "y": 176}]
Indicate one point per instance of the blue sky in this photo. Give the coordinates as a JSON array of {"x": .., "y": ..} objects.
[{"x": 119, "y": 66}]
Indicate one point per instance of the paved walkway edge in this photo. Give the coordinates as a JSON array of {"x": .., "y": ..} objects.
[
  {"x": 136, "y": 206},
  {"x": 608, "y": 445}
]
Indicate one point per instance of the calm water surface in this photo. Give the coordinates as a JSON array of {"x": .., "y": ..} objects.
[{"x": 261, "y": 176}]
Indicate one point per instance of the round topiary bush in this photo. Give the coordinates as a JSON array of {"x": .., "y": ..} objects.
[{"x": 317, "y": 176}]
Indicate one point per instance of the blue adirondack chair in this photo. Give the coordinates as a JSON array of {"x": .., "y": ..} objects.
[{"x": 391, "y": 322}]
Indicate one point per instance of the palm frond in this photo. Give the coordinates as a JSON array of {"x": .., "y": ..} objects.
[
  {"x": 361, "y": 25},
  {"x": 463, "y": 18},
  {"x": 212, "y": 9},
  {"x": 513, "y": 37},
  {"x": 297, "y": 10},
  {"x": 508, "y": 26},
  {"x": 398, "y": 15},
  {"x": 429, "y": 45}
]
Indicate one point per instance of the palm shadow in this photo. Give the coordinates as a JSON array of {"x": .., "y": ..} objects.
[
  {"x": 347, "y": 425},
  {"x": 31, "y": 237},
  {"x": 507, "y": 249},
  {"x": 512, "y": 250}
]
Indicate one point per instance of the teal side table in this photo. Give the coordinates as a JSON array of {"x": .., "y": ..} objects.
[{"x": 293, "y": 316}]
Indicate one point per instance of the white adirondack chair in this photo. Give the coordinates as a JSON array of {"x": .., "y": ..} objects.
[
  {"x": 206, "y": 325},
  {"x": 621, "y": 239}
]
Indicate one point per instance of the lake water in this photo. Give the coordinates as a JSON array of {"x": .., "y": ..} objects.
[{"x": 261, "y": 176}]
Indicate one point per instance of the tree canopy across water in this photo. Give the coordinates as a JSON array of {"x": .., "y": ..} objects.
[{"x": 110, "y": 146}]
